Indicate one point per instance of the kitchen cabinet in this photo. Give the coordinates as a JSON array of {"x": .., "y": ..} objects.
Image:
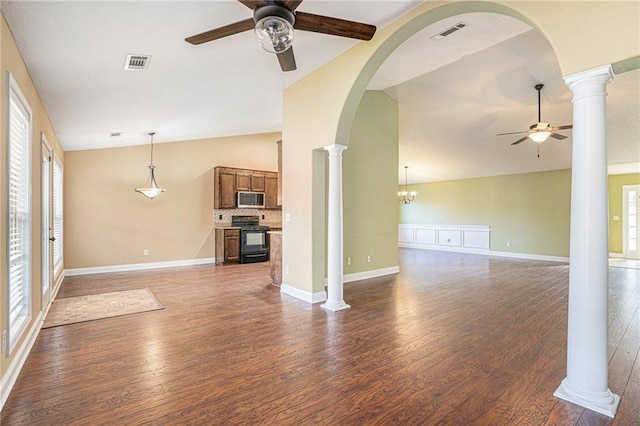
[
  {"x": 250, "y": 180},
  {"x": 227, "y": 245},
  {"x": 228, "y": 181},
  {"x": 226, "y": 191},
  {"x": 275, "y": 256},
  {"x": 271, "y": 192}
]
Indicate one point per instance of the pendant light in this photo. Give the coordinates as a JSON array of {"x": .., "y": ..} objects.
[
  {"x": 151, "y": 189},
  {"x": 405, "y": 196}
]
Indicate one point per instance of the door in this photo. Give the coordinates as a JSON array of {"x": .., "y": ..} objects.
[
  {"x": 630, "y": 229},
  {"x": 45, "y": 231}
]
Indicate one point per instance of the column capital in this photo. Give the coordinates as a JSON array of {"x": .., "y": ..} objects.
[
  {"x": 605, "y": 74},
  {"x": 336, "y": 148}
]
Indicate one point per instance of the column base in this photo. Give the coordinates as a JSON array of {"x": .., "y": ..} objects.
[
  {"x": 601, "y": 402},
  {"x": 335, "y": 306}
]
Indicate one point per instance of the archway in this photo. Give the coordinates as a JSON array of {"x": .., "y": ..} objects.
[{"x": 319, "y": 110}]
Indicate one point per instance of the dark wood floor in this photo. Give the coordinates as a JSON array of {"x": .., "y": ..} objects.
[{"x": 452, "y": 339}]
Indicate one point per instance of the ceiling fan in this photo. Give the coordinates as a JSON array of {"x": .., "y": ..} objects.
[
  {"x": 539, "y": 132},
  {"x": 274, "y": 22}
]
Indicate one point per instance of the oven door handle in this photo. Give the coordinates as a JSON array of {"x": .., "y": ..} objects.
[{"x": 254, "y": 255}]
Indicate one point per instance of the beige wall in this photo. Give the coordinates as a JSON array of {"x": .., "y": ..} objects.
[
  {"x": 11, "y": 61},
  {"x": 370, "y": 173},
  {"x": 615, "y": 208},
  {"x": 584, "y": 35},
  {"x": 530, "y": 210},
  {"x": 107, "y": 223}
]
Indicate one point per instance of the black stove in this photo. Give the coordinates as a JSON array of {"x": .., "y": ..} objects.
[{"x": 254, "y": 239}]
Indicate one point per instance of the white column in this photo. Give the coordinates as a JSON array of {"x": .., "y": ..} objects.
[
  {"x": 335, "y": 284},
  {"x": 586, "y": 383}
]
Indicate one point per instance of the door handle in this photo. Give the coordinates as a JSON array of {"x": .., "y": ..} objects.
[{"x": 52, "y": 238}]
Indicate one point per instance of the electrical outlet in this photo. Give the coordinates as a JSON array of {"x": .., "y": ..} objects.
[
  {"x": 368, "y": 259},
  {"x": 287, "y": 217},
  {"x": 508, "y": 243},
  {"x": 219, "y": 217},
  {"x": 146, "y": 252},
  {"x": 262, "y": 217},
  {"x": 286, "y": 269},
  {"x": 348, "y": 261}
]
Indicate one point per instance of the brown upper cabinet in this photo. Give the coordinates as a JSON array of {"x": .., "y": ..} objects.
[
  {"x": 228, "y": 181},
  {"x": 271, "y": 191}
]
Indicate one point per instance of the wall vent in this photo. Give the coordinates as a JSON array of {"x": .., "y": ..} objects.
[
  {"x": 137, "y": 62},
  {"x": 448, "y": 31}
]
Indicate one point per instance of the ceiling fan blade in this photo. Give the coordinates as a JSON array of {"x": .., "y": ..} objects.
[
  {"x": 557, "y": 136},
  {"x": 511, "y": 133},
  {"x": 566, "y": 126},
  {"x": 333, "y": 26},
  {"x": 520, "y": 140},
  {"x": 227, "y": 30},
  {"x": 287, "y": 60},
  {"x": 292, "y": 5},
  {"x": 253, "y": 4}
]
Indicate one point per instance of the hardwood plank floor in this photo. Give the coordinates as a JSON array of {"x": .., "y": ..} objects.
[{"x": 452, "y": 339}]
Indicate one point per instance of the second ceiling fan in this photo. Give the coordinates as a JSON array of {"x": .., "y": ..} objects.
[
  {"x": 540, "y": 131},
  {"x": 274, "y": 23}
]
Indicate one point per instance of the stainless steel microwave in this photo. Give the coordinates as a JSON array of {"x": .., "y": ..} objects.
[{"x": 250, "y": 200}]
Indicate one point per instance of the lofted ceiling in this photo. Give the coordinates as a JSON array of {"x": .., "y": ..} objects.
[{"x": 454, "y": 94}]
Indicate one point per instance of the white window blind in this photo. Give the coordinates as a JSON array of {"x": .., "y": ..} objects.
[
  {"x": 57, "y": 216},
  {"x": 19, "y": 205}
]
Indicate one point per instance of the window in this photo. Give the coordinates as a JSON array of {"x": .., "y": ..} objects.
[
  {"x": 19, "y": 214},
  {"x": 57, "y": 216},
  {"x": 632, "y": 221}
]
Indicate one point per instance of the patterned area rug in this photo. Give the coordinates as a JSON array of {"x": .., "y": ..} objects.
[{"x": 72, "y": 310}]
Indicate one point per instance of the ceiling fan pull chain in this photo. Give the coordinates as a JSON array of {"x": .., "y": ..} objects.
[{"x": 538, "y": 151}]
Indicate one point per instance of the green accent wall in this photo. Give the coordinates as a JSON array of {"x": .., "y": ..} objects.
[
  {"x": 370, "y": 176},
  {"x": 616, "y": 182},
  {"x": 530, "y": 210}
]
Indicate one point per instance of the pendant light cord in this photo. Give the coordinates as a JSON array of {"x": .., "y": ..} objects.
[{"x": 151, "y": 134}]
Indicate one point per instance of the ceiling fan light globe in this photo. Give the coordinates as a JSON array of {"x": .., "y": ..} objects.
[
  {"x": 539, "y": 137},
  {"x": 274, "y": 34}
]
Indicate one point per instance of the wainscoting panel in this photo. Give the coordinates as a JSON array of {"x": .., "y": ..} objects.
[{"x": 464, "y": 238}]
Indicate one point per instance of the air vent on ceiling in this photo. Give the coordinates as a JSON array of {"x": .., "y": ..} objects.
[
  {"x": 448, "y": 31},
  {"x": 115, "y": 134},
  {"x": 137, "y": 62}
]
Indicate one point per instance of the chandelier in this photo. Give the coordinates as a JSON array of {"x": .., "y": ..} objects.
[
  {"x": 151, "y": 189},
  {"x": 405, "y": 196}
]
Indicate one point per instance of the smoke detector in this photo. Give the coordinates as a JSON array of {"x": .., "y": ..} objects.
[{"x": 137, "y": 62}]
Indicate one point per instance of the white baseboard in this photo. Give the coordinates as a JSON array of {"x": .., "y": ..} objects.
[
  {"x": 616, "y": 255},
  {"x": 528, "y": 256},
  {"x": 486, "y": 252},
  {"x": 455, "y": 249},
  {"x": 138, "y": 266},
  {"x": 370, "y": 274},
  {"x": 308, "y": 297},
  {"x": 11, "y": 375}
]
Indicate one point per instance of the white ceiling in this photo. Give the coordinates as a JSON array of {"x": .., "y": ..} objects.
[{"x": 455, "y": 94}]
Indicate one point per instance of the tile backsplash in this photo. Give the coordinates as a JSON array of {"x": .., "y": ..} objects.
[{"x": 271, "y": 217}]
